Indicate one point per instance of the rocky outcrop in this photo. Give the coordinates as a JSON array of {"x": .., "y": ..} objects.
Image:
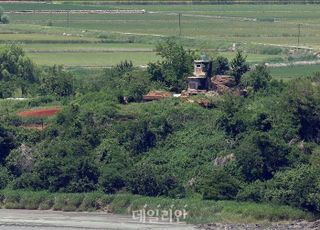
[{"x": 223, "y": 160}]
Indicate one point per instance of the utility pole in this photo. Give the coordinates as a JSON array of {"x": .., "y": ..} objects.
[
  {"x": 299, "y": 32},
  {"x": 179, "y": 24},
  {"x": 68, "y": 19}
]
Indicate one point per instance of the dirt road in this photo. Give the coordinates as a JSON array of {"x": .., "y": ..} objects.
[{"x": 53, "y": 220}]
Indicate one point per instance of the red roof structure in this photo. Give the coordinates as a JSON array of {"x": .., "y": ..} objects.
[{"x": 157, "y": 95}]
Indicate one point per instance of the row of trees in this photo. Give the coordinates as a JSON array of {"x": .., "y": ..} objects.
[{"x": 20, "y": 76}]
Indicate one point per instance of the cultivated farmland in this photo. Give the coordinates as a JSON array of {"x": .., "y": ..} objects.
[{"x": 266, "y": 33}]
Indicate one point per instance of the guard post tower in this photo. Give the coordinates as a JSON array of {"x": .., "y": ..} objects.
[{"x": 200, "y": 81}]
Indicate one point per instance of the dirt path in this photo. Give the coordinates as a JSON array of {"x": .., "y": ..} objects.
[
  {"x": 296, "y": 63},
  {"x": 54, "y": 220}
]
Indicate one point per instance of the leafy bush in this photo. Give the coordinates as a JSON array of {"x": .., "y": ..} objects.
[
  {"x": 252, "y": 192},
  {"x": 111, "y": 180},
  {"x": 297, "y": 187},
  {"x": 4, "y": 177},
  {"x": 28, "y": 181},
  {"x": 57, "y": 82},
  {"x": 7, "y": 143},
  {"x": 220, "y": 66},
  {"x": 5, "y": 19},
  {"x": 303, "y": 98},
  {"x": 272, "y": 50},
  {"x": 260, "y": 155},
  {"x": 217, "y": 184},
  {"x": 146, "y": 179},
  {"x": 258, "y": 79},
  {"x": 66, "y": 202}
]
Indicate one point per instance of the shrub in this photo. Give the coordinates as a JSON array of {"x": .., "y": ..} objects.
[
  {"x": 12, "y": 200},
  {"x": 220, "y": 66},
  {"x": 30, "y": 200},
  {"x": 5, "y": 19},
  {"x": 302, "y": 98},
  {"x": 27, "y": 181},
  {"x": 111, "y": 180},
  {"x": 68, "y": 202},
  {"x": 258, "y": 79},
  {"x": 260, "y": 155},
  {"x": 4, "y": 177},
  {"x": 297, "y": 187},
  {"x": 120, "y": 203},
  {"x": 49, "y": 23},
  {"x": 147, "y": 179},
  {"x": 91, "y": 202},
  {"x": 271, "y": 50},
  {"x": 217, "y": 184},
  {"x": 47, "y": 203},
  {"x": 252, "y": 192}
]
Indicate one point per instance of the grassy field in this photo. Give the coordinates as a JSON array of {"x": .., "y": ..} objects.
[
  {"x": 106, "y": 39},
  {"x": 92, "y": 58},
  {"x": 199, "y": 211}
]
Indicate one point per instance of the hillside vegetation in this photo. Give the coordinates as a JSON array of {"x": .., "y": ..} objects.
[{"x": 260, "y": 148}]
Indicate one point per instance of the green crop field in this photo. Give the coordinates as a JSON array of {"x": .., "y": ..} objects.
[
  {"x": 265, "y": 32},
  {"x": 291, "y": 72}
]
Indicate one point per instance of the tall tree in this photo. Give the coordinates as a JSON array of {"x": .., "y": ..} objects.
[
  {"x": 174, "y": 67},
  {"x": 239, "y": 66},
  {"x": 259, "y": 78},
  {"x": 57, "y": 82},
  {"x": 16, "y": 70},
  {"x": 220, "y": 65}
]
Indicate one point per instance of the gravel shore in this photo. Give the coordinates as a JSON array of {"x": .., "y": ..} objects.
[{"x": 272, "y": 226}]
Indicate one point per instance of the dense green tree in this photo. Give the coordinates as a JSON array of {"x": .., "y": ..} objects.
[
  {"x": 150, "y": 180},
  {"x": 217, "y": 184},
  {"x": 239, "y": 66},
  {"x": 57, "y": 82},
  {"x": 4, "y": 19},
  {"x": 133, "y": 85},
  {"x": 303, "y": 100},
  {"x": 16, "y": 70},
  {"x": 258, "y": 79},
  {"x": 220, "y": 65},
  {"x": 7, "y": 142},
  {"x": 230, "y": 121},
  {"x": 175, "y": 66},
  {"x": 111, "y": 180},
  {"x": 5, "y": 177},
  {"x": 122, "y": 68},
  {"x": 297, "y": 187},
  {"x": 260, "y": 156}
]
